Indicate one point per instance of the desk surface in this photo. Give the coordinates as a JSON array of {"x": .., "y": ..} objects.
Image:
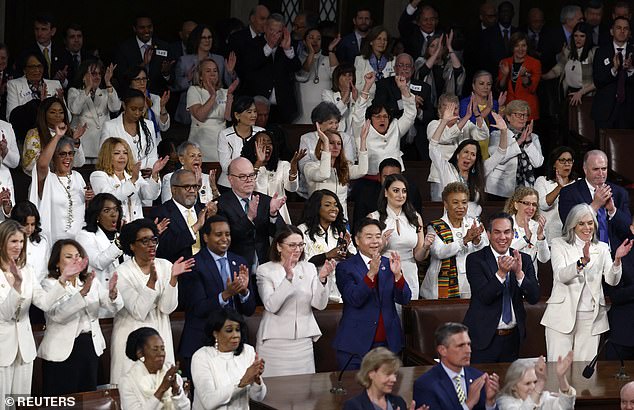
[{"x": 313, "y": 391}]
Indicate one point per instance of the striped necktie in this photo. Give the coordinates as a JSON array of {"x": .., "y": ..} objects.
[{"x": 462, "y": 397}]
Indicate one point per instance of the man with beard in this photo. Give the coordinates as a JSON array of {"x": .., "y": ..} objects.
[{"x": 350, "y": 45}]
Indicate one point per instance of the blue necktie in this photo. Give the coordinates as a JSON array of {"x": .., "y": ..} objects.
[
  {"x": 506, "y": 301},
  {"x": 602, "y": 218},
  {"x": 224, "y": 275}
]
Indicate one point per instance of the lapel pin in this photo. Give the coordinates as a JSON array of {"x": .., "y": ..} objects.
[
  {"x": 470, "y": 380},
  {"x": 233, "y": 263},
  {"x": 382, "y": 267}
]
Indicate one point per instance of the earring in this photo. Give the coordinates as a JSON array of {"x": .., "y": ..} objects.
[
  {"x": 142, "y": 359},
  {"x": 473, "y": 170},
  {"x": 216, "y": 344}
]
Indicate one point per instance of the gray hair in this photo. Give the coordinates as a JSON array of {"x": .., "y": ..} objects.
[
  {"x": 325, "y": 111},
  {"x": 568, "y": 12},
  {"x": 182, "y": 149},
  {"x": 446, "y": 330},
  {"x": 592, "y": 153},
  {"x": 481, "y": 73},
  {"x": 176, "y": 176},
  {"x": 575, "y": 215},
  {"x": 405, "y": 55},
  {"x": 275, "y": 17},
  {"x": 262, "y": 100},
  {"x": 514, "y": 375}
]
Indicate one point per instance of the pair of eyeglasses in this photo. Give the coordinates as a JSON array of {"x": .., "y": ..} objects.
[
  {"x": 66, "y": 154},
  {"x": 526, "y": 203},
  {"x": 299, "y": 245},
  {"x": 245, "y": 177},
  {"x": 147, "y": 241},
  {"x": 564, "y": 161},
  {"x": 140, "y": 79},
  {"x": 520, "y": 115},
  {"x": 194, "y": 187}
]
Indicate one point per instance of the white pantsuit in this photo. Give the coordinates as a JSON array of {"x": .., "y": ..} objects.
[
  {"x": 19, "y": 92},
  {"x": 11, "y": 160},
  {"x": 576, "y": 312},
  {"x": 345, "y": 125},
  {"x": 205, "y": 133},
  {"x": 138, "y": 386}
]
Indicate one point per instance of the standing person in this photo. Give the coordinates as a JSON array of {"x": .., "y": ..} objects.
[
  {"x": 19, "y": 288},
  {"x": 501, "y": 279},
  {"x": 73, "y": 341},
  {"x": 403, "y": 231},
  {"x": 91, "y": 104},
  {"x": 150, "y": 293},
  {"x": 9, "y": 158},
  {"x": 580, "y": 263},
  {"x": 155, "y": 106},
  {"x": 374, "y": 58},
  {"x": 36, "y": 244},
  {"x": 290, "y": 288},
  {"x": 416, "y": 27},
  {"x": 210, "y": 106},
  {"x": 343, "y": 94},
  {"x": 350, "y": 46},
  {"x": 369, "y": 293},
  {"x": 612, "y": 71},
  {"x": 456, "y": 235},
  {"x": 559, "y": 173}
]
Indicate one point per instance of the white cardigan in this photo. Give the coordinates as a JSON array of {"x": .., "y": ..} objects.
[
  {"x": 216, "y": 376},
  {"x": 547, "y": 401},
  {"x": 345, "y": 125},
  {"x": 568, "y": 283},
  {"x": 63, "y": 320},
  {"x": 362, "y": 67},
  {"x": 138, "y": 386},
  {"x": 103, "y": 255},
  {"x": 277, "y": 182}
]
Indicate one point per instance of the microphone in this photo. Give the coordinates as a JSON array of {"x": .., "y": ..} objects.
[
  {"x": 588, "y": 371},
  {"x": 339, "y": 389},
  {"x": 621, "y": 374}
]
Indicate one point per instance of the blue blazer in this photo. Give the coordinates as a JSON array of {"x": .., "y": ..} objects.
[
  {"x": 485, "y": 307},
  {"x": 199, "y": 290},
  {"x": 348, "y": 48},
  {"x": 362, "y": 402},
  {"x": 437, "y": 390},
  {"x": 176, "y": 240},
  {"x": 618, "y": 226},
  {"x": 622, "y": 311},
  {"x": 362, "y": 305}
]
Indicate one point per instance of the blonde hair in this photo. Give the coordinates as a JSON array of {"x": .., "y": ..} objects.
[
  {"x": 104, "y": 160},
  {"x": 520, "y": 193},
  {"x": 517, "y": 106},
  {"x": 373, "y": 360},
  {"x": 196, "y": 80}
]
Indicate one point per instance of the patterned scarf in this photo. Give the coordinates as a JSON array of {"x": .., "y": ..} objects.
[
  {"x": 378, "y": 65},
  {"x": 448, "y": 287},
  {"x": 525, "y": 172}
]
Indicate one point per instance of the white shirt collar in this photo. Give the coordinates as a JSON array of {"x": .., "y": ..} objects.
[
  {"x": 497, "y": 255},
  {"x": 253, "y": 33},
  {"x": 502, "y": 28},
  {"x": 451, "y": 373},
  {"x": 366, "y": 260},
  {"x": 616, "y": 46},
  {"x": 590, "y": 187},
  {"x": 240, "y": 199},
  {"x": 49, "y": 47},
  {"x": 182, "y": 209},
  {"x": 140, "y": 43},
  {"x": 215, "y": 255}
]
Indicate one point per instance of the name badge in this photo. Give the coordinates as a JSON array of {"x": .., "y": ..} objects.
[
  {"x": 400, "y": 104},
  {"x": 162, "y": 53},
  {"x": 606, "y": 61},
  {"x": 415, "y": 87}
]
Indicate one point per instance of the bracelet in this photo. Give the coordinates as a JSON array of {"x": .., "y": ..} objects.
[
  {"x": 365, "y": 93},
  {"x": 292, "y": 176},
  {"x": 163, "y": 112},
  {"x": 109, "y": 87},
  {"x": 580, "y": 264}
]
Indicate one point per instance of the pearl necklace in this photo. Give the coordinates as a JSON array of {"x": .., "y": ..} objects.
[{"x": 67, "y": 187}]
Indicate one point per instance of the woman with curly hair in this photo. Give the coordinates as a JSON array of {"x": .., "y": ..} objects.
[{"x": 37, "y": 246}]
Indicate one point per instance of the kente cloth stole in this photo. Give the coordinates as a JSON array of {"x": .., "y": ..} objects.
[{"x": 448, "y": 287}]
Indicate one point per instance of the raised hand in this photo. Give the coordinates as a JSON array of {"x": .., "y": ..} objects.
[
  {"x": 504, "y": 69},
  {"x": 73, "y": 268},
  {"x": 475, "y": 388},
  {"x": 333, "y": 43},
  {"x": 230, "y": 62},
  {"x": 79, "y": 131},
  {"x": 505, "y": 265},
  {"x": 541, "y": 220},
  {"x": 369, "y": 79},
  {"x": 517, "y": 264},
  {"x": 286, "y": 39},
  {"x": 89, "y": 194},
  {"x": 87, "y": 284},
  {"x": 60, "y": 129},
  {"x": 181, "y": 266},
  {"x": 243, "y": 279},
  {"x": 586, "y": 253},
  {"x": 448, "y": 114},
  {"x": 501, "y": 98},
  {"x": 43, "y": 91},
  {"x": 276, "y": 203},
  {"x": 327, "y": 269},
  {"x": 540, "y": 369},
  {"x": 164, "y": 99},
  {"x": 430, "y": 237},
  {"x": 492, "y": 385},
  {"x": 167, "y": 382},
  {"x": 107, "y": 77},
  {"x": 5, "y": 199},
  {"x": 233, "y": 86},
  {"x": 297, "y": 156},
  {"x": 260, "y": 153},
  {"x": 252, "y": 212},
  {"x": 147, "y": 55},
  {"x": 624, "y": 249},
  {"x": 15, "y": 280},
  {"x": 450, "y": 41},
  {"x": 564, "y": 364},
  {"x": 499, "y": 123},
  {"x": 401, "y": 83},
  {"x": 135, "y": 171},
  {"x": 385, "y": 238},
  {"x": 395, "y": 265},
  {"x": 4, "y": 148},
  {"x": 112, "y": 286},
  {"x": 375, "y": 262},
  {"x": 159, "y": 165},
  {"x": 162, "y": 225}
]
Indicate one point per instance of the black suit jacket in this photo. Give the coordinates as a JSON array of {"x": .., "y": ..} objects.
[
  {"x": 411, "y": 36},
  {"x": 57, "y": 61},
  {"x": 388, "y": 94},
  {"x": 622, "y": 311},
  {"x": 67, "y": 60},
  {"x": 492, "y": 49},
  {"x": 348, "y": 48},
  {"x": 262, "y": 74},
  {"x": 198, "y": 292},
  {"x": 129, "y": 55},
  {"x": 362, "y": 402},
  {"x": 176, "y": 240},
  {"x": 485, "y": 307},
  {"x": 618, "y": 226},
  {"x": 436, "y": 389},
  {"x": 554, "y": 39},
  {"x": 604, "y": 102},
  {"x": 247, "y": 236},
  {"x": 240, "y": 43}
]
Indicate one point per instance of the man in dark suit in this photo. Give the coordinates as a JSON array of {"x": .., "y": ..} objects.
[
  {"x": 501, "y": 279},
  {"x": 219, "y": 279},
  {"x": 621, "y": 313},
  {"x": 186, "y": 216},
  {"x": 610, "y": 201},
  {"x": 75, "y": 53},
  {"x": 452, "y": 384},
  {"x": 179, "y": 47},
  {"x": 593, "y": 15},
  {"x": 495, "y": 40},
  {"x": 417, "y": 27},
  {"x": 44, "y": 30},
  {"x": 534, "y": 28},
  {"x": 350, "y": 45},
  {"x": 269, "y": 70},
  {"x": 253, "y": 217},
  {"x": 612, "y": 72},
  {"x": 370, "y": 285},
  {"x": 241, "y": 41},
  {"x": 145, "y": 50}
]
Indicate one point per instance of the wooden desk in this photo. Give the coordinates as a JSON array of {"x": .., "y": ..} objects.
[{"x": 601, "y": 391}]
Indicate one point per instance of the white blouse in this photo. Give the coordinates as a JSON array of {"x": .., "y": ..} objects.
[
  {"x": 536, "y": 249},
  {"x": 37, "y": 255},
  {"x": 277, "y": 182},
  {"x": 554, "y": 225},
  {"x": 138, "y": 386},
  {"x": 229, "y": 148}
]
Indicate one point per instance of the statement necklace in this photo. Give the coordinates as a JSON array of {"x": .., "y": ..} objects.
[{"x": 67, "y": 186}]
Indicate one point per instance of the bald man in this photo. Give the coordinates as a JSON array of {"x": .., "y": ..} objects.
[{"x": 627, "y": 396}]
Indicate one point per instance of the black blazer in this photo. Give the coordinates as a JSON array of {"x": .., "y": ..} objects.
[
  {"x": 618, "y": 226},
  {"x": 388, "y": 94},
  {"x": 413, "y": 39},
  {"x": 362, "y": 402},
  {"x": 247, "y": 236},
  {"x": 493, "y": 49},
  {"x": 348, "y": 48},
  {"x": 67, "y": 60},
  {"x": 198, "y": 292},
  {"x": 553, "y": 39},
  {"x": 622, "y": 310},
  {"x": 485, "y": 307},
  {"x": 604, "y": 101},
  {"x": 129, "y": 55},
  {"x": 240, "y": 42},
  {"x": 176, "y": 240}
]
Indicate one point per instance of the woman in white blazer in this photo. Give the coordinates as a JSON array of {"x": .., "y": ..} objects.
[
  {"x": 343, "y": 94},
  {"x": 576, "y": 312},
  {"x": 518, "y": 166},
  {"x": 92, "y": 105},
  {"x": 100, "y": 240},
  {"x": 155, "y": 106},
  {"x": 18, "y": 289},
  {"x": 73, "y": 340},
  {"x": 375, "y": 58},
  {"x": 226, "y": 372},
  {"x": 37, "y": 246},
  {"x": 333, "y": 171},
  {"x": 9, "y": 159},
  {"x": 117, "y": 173},
  {"x": 191, "y": 159},
  {"x": 150, "y": 293},
  {"x": 290, "y": 287},
  {"x": 134, "y": 129}
]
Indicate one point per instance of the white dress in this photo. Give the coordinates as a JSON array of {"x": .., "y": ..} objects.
[
  {"x": 311, "y": 84},
  {"x": 403, "y": 243},
  {"x": 272, "y": 182},
  {"x": 216, "y": 376},
  {"x": 205, "y": 134},
  {"x": 229, "y": 148},
  {"x": 138, "y": 386},
  {"x": 288, "y": 327},
  {"x": 142, "y": 307},
  {"x": 322, "y": 244},
  {"x": 536, "y": 249},
  {"x": 37, "y": 255},
  {"x": 440, "y": 250},
  {"x": 554, "y": 225},
  {"x": 204, "y": 194},
  {"x": 62, "y": 205}
]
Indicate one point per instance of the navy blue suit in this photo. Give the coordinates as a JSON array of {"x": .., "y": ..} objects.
[
  {"x": 362, "y": 402},
  {"x": 485, "y": 307},
  {"x": 618, "y": 226},
  {"x": 362, "y": 306},
  {"x": 348, "y": 48},
  {"x": 200, "y": 289},
  {"x": 622, "y": 310},
  {"x": 437, "y": 390}
]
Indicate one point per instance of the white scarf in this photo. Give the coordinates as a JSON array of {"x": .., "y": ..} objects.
[{"x": 148, "y": 383}]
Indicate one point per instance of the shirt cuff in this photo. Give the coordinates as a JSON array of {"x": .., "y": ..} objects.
[
  {"x": 371, "y": 284},
  {"x": 245, "y": 297},
  {"x": 267, "y": 50},
  {"x": 519, "y": 281},
  {"x": 611, "y": 214},
  {"x": 410, "y": 9},
  {"x": 290, "y": 53},
  {"x": 223, "y": 302}
]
